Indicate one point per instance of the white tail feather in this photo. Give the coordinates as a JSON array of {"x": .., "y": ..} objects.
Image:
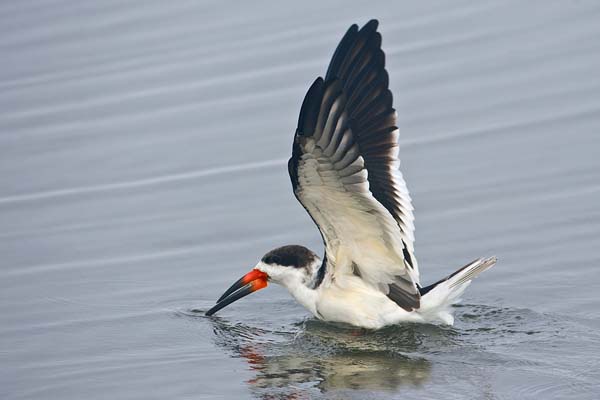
[{"x": 436, "y": 302}]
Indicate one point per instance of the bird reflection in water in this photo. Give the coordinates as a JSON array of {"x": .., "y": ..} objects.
[{"x": 321, "y": 357}]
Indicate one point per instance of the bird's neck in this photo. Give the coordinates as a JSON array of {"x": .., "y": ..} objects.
[
  {"x": 306, "y": 292},
  {"x": 305, "y": 296}
]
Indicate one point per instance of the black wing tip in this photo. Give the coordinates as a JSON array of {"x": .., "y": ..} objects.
[
  {"x": 309, "y": 111},
  {"x": 371, "y": 26},
  {"x": 348, "y": 42},
  {"x": 316, "y": 87},
  {"x": 340, "y": 51}
]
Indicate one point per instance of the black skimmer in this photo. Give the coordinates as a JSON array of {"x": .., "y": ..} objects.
[{"x": 345, "y": 172}]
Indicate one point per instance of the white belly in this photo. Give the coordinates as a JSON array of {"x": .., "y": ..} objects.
[{"x": 352, "y": 301}]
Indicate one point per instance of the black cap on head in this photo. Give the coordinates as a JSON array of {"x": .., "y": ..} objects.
[{"x": 290, "y": 256}]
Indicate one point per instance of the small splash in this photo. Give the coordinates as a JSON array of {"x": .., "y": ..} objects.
[{"x": 196, "y": 312}]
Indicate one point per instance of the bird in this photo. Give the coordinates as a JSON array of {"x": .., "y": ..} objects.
[{"x": 344, "y": 171}]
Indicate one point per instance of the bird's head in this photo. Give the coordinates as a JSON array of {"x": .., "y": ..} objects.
[{"x": 289, "y": 266}]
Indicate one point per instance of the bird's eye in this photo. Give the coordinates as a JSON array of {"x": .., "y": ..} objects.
[{"x": 274, "y": 260}]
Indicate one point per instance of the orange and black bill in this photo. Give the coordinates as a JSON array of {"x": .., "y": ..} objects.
[{"x": 249, "y": 283}]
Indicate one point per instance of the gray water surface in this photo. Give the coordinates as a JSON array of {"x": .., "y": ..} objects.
[{"x": 142, "y": 170}]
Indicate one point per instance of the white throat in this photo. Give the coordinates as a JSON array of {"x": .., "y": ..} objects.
[
  {"x": 295, "y": 281},
  {"x": 305, "y": 296}
]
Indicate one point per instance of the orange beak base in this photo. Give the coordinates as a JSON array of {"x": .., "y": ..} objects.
[{"x": 247, "y": 284}]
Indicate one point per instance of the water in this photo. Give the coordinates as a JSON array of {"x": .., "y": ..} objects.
[{"x": 142, "y": 171}]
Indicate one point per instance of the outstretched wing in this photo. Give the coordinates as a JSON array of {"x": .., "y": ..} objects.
[{"x": 344, "y": 169}]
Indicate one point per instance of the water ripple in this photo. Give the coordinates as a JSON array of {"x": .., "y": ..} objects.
[{"x": 157, "y": 180}]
